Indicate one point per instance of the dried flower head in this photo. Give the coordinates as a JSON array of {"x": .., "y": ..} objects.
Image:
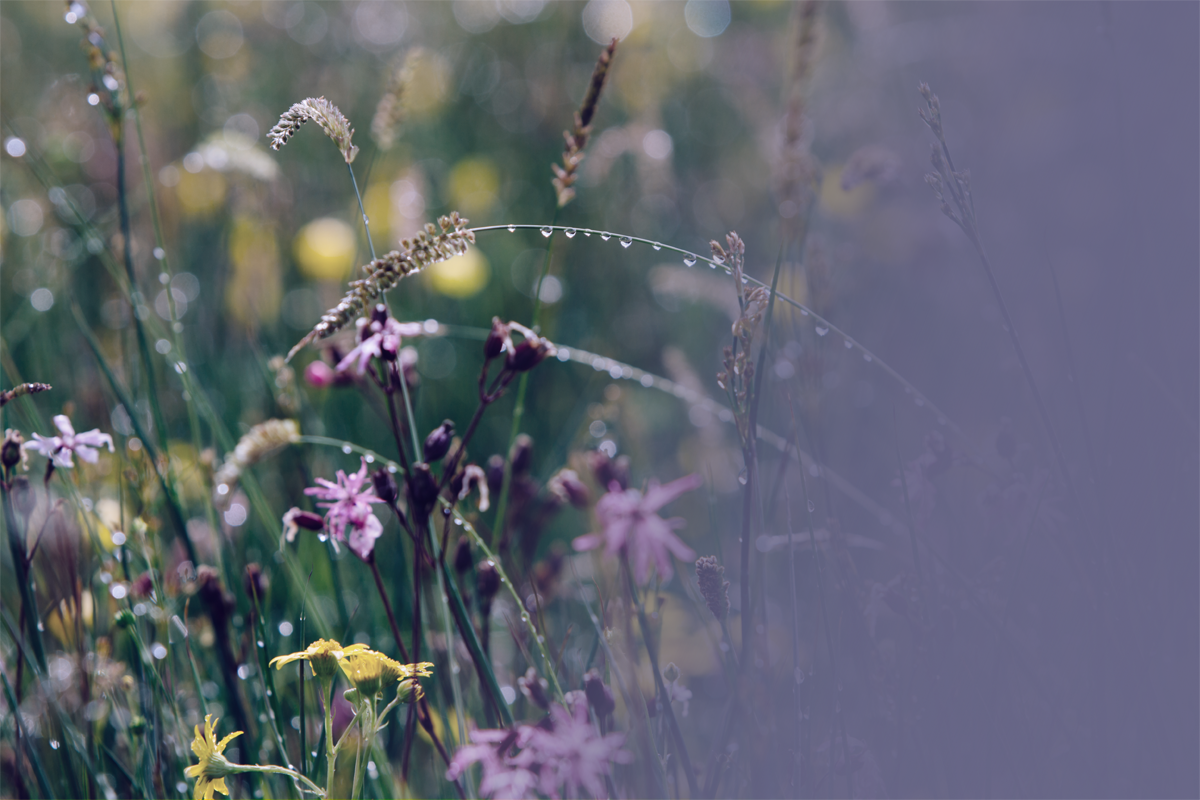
[
  {"x": 564, "y": 176},
  {"x": 259, "y": 442},
  {"x": 713, "y": 586},
  {"x": 389, "y": 112},
  {"x": 325, "y": 114},
  {"x": 22, "y": 389},
  {"x": 429, "y": 247}
]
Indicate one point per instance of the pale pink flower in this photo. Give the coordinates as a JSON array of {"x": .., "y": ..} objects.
[
  {"x": 630, "y": 523},
  {"x": 378, "y": 340},
  {"x": 60, "y": 448},
  {"x": 557, "y": 759},
  {"x": 349, "y": 507}
]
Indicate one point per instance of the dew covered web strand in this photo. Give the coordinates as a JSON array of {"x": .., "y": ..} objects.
[{"x": 822, "y": 326}]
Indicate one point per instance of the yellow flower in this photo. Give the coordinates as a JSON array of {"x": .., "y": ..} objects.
[
  {"x": 213, "y": 767},
  {"x": 323, "y": 656},
  {"x": 370, "y": 671}
]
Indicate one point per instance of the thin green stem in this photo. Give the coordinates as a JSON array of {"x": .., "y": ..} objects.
[
  {"x": 274, "y": 770},
  {"x": 330, "y": 750},
  {"x": 363, "y": 211}
]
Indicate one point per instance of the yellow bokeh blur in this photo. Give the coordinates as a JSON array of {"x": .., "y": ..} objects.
[
  {"x": 461, "y": 276},
  {"x": 255, "y": 289},
  {"x": 200, "y": 193},
  {"x": 474, "y": 185},
  {"x": 324, "y": 249},
  {"x": 838, "y": 202},
  {"x": 426, "y": 91},
  {"x": 377, "y": 202}
]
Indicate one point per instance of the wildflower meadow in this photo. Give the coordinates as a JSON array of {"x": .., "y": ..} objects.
[{"x": 607, "y": 399}]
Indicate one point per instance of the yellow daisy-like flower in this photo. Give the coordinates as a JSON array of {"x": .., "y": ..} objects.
[
  {"x": 213, "y": 767},
  {"x": 323, "y": 656},
  {"x": 370, "y": 671}
]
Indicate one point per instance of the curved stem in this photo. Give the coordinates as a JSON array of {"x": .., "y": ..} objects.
[
  {"x": 363, "y": 211},
  {"x": 274, "y": 770}
]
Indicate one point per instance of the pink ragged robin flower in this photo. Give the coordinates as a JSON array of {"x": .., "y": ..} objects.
[
  {"x": 630, "y": 523},
  {"x": 350, "y": 507},
  {"x": 60, "y": 448},
  {"x": 378, "y": 339}
]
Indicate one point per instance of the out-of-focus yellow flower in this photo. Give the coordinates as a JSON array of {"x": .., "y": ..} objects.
[
  {"x": 323, "y": 656},
  {"x": 474, "y": 185},
  {"x": 61, "y": 621},
  {"x": 200, "y": 193},
  {"x": 839, "y": 202},
  {"x": 324, "y": 249},
  {"x": 461, "y": 276},
  {"x": 256, "y": 288},
  {"x": 213, "y": 767}
]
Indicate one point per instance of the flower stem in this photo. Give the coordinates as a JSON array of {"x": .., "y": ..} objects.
[
  {"x": 330, "y": 750},
  {"x": 664, "y": 699},
  {"x": 274, "y": 770}
]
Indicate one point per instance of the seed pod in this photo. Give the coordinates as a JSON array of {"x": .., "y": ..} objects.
[
  {"x": 487, "y": 580},
  {"x": 521, "y": 454},
  {"x": 437, "y": 443},
  {"x": 535, "y": 688},
  {"x": 599, "y": 696},
  {"x": 462, "y": 555},
  {"x": 496, "y": 340},
  {"x": 385, "y": 486},
  {"x": 422, "y": 488},
  {"x": 495, "y": 473},
  {"x": 568, "y": 488}
]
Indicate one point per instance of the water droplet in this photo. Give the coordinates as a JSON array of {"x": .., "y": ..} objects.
[
  {"x": 541, "y": 639},
  {"x": 743, "y": 477},
  {"x": 745, "y": 279},
  {"x": 512, "y": 228},
  {"x": 570, "y": 233},
  {"x": 587, "y": 233},
  {"x": 799, "y": 675},
  {"x": 322, "y": 537},
  {"x": 54, "y": 744},
  {"x": 717, "y": 257},
  {"x": 920, "y": 401},
  {"x": 260, "y": 643},
  {"x": 626, "y": 241},
  {"x": 712, "y": 265},
  {"x": 606, "y": 236},
  {"x": 346, "y": 449},
  {"x": 804, "y": 312},
  {"x": 821, "y": 331},
  {"x": 159, "y": 253},
  {"x": 689, "y": 260},
  {"x": 811, "y": 506},
  {"x": 546, "y": 231},
  {"x": 656, "y": 246},
  {"x": 180, "y": 367},
  {"x": 867, "y": 357}
]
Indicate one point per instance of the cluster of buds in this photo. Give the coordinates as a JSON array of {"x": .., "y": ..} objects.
[
  {"x": 517, "y": 357},
  {"x": 108, "y": 79},
  {"x": 951, "y": 187}
]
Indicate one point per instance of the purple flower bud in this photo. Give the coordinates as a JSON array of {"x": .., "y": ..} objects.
[
  {"x": 521, "y": 454},
  {"x": 256, "y": 583},
  {"x": 437, "y": 443},
  {"x": 487, "y": 580},
  {"x": 319, "y": 375},
  {"x": 535, "y": 687},
  {"x": 599, "y": 696},
  {"x": 379, "y": 313},
  {"x": 10, "y": 454},
  {"x": 462, "y": 555},
  {"x": 385, "y": 486},
  {"x": 568, "y": 488},
  {"x": 494, "y": 345},
  {"x": 422, "y": 488},
  {"x": 527, "y": 355},
  {"x": 495, "y": 473}
]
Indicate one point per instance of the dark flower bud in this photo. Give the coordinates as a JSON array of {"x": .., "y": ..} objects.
[
  {"x": 608, "y": 470},
  {"x": 142, "y": 585},
  {"x": 385, "y": 486},
  {"x": 568, "y": 488},
  {"x": 599, "y": 696},
  {"x": 528, "y": 354},
  {"x": 494, "y": 344},
  {"x": 10, "y": 453},
  {"x": 487, "y": 579},
  {"x": 462, "y": 555},
  {"x": 124, "y": 619},
  {"x": 521, "y": 454},
  {"x": 535, "y": 687},
  {"x": 422, "y": 488},
  {"x": 256, "y": 583},
  {"x": 137, "y": 725},
  {"x": 713, "y": 587},
  {"x": 379, "y": 313},
  {"x": 437, "y": 443},
  {"x": 22, "y": 494},
  {"x": 495, "y": 473},
  {"x": 213, "y": 594}
]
